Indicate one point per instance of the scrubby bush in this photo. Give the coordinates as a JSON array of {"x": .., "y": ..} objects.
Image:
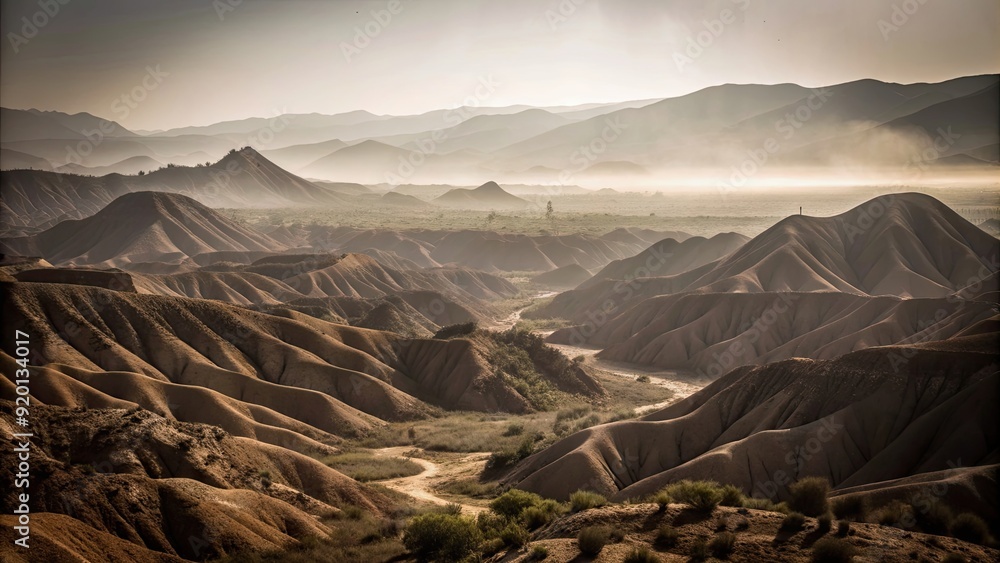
[
  {"x": 662, "y": 498},
  {"x": 824, "y": 523},
  {"x": 808, "y": 496},
  {"x": 442, "y": 536},
  {"x": 514, "y": 535},
  {"x": 592, "y": 539},
  {"x": 971, "y": 528},
  {"x": 512, "y": 503},
  {"x": 538, "y": 553},
  {"x": 731, "y": 496},
  {"x": 830, "y": 550},
  {"x": 514, "y": 429},
  {"x": 508, "y": 457},
  {"x": 491, "y": 524},
  {"x": 853, "y": 507},
  {"x": 640, "y": 554},
  {"x": 793, "y": 522},
  {"x": 759, "y": 504},
  {"x": 455, "y": 330},
  {"x": 722, "y": 545},
  {"x": 643, "y": 379},
  {"x": 843, "y": 528},
  {"x": 585, "y": 500},
  {"x": 666, "y": 536},
  {"x": 702, "y": 496},
  {"x": 893, "y": 514},
  {"x": 699, "y": 550},
  {"x": 541, "y": 514}
]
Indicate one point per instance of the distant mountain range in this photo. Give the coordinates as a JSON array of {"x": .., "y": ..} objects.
[{"x": 722, "y": 131}]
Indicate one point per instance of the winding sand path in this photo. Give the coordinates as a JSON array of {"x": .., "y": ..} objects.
[{"x": 419, "y": 486}]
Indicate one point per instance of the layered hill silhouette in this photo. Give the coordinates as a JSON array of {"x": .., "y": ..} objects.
[
  {"x": 907, "y": 245},
  {"x": 145, "y": 227},
  {"x": 242, "y": 178},
  {"x": 880, "y": 414},
  {"x": 489, "y": 195}
]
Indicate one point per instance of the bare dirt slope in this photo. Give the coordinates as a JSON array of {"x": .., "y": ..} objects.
[{"x": 867, "y": 417}]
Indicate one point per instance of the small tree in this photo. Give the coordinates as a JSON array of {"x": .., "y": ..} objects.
[{"x": 548, "y": 210}]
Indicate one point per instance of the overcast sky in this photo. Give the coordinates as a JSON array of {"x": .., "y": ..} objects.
[{"x": 229, "y": 59}]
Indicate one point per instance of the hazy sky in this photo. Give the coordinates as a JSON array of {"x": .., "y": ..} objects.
[{"x": 229, "y": 59}]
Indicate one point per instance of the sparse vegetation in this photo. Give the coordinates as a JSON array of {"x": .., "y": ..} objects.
[
  {"x": 971, "y": 528},
  {"x": 722, "y": 545},
  {"x": 508, "y": 457},
  {"x": 701, "y": 496},
  {"x": 585, "y": 500},
  {"x": 843, "y": 528},
  {"x": 854, "y": 507},
  {"x": 808, "y": 496},
  {"x": 539, "y": 553},
  {"x": 456, "y": 331},
  {"x": 699, "y": 550},
  {"x": 515, "y": 535},
  {"x": 640, "y": 554},
  {"x": 824, "y": 523},
  {"x": 469, "y": 487},
  {"x": 364, "y": 466},
  {"x": 510, "y": 504},
  {"x": 934, "y": 519},
  {"x": 793, "y": 522},
  {"x": 666, "y": 536},
  {"x": 592, "y": 539},
  {"x": 831, "y": 550},
  {"x": 442, "y": 536}
]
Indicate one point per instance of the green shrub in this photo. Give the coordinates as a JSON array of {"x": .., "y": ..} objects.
[
  {"x": 643, "y": 379},
  {"x": 702, "y": 496},
  {"x": 592, "y": 539},
  {"x": 512, "y": 503},
  {"x": 442, "y": 536},
  {"x": 491, "y": 524},
  {"x": 699, "y": 550},
  {"x": 507, "y": 457},
  {"x": 662, "y": 498},
  {"x": 514, "y": 535},
  {"x": 853, "y": 507},
  {"x": 585, "y": 500},
  {"x": 971, "y": 528},
  {"x": 722, "y": 545},
  {"x": 538, "y": 553},
  {"x": 830, "y": 550},
  {"x": 759, "y": 504},
  {"x": 824, "y": 523},
  {"x": 533, "y": 517},
  {"x": 452, "y": 331},
  {"x": 793, "y": 522},
  {"x": 640, "y": 554},
  {"x": 731, "y": 496},
  {"x": 808, "y": 496},
  {"x": 514, "y": 429},
  {"x": 666, "y": 536}
]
